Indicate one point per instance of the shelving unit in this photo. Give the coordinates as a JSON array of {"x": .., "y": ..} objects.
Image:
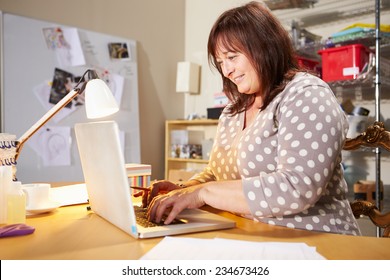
[
  {"x": 378, "y": 177},
  {"x": 189, "y": 165},
  {"x": 362, "y": 88},
  {"x": 371, "y": 82},
  {"x": 373, "y": 86}
]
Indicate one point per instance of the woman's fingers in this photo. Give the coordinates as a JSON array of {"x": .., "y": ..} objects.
[
  {"x": 157, "y": 208},
  {"x": 160, "y": 187},
  {"x": 155, "y": 190},
  {"x": 172, "y": 203}
]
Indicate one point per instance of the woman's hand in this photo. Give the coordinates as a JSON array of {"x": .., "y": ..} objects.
[
  {"x": 156, "y": 188},
  {"x": 174, "y": 202}
]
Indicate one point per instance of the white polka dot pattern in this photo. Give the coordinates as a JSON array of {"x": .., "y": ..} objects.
[{"x": 289, "y": 159}]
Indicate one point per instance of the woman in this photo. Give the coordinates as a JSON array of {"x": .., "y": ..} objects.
[{"x": 277, "y": 153}]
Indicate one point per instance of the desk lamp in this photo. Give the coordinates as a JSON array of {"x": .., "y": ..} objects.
[{"x": 99, "y": 102}]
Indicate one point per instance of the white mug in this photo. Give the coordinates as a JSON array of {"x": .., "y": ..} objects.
[{"x": 37, "y": 195}]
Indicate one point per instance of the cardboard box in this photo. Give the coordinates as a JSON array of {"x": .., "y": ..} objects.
[
  {"x": 139, "y": 181},
  {"x": 138, "y": 169},
  {"x": 139, "y": 174}
]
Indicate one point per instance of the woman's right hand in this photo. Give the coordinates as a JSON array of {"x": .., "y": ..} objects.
[{"x": 156, "y": 188}]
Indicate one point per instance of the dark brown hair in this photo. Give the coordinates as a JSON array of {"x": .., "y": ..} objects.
[{"x": 251, "y": 29}]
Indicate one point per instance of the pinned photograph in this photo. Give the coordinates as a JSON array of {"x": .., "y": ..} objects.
[
  {"x": 66, "y": 44},
  {"x": 118, "y": 51},
  {"x": 63, "y": 83},
  {"x": 54, "y": 38}
]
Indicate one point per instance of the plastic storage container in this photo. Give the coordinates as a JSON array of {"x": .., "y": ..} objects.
[
  {"x": 308, "y": 63},
  {"x": 311, "y": 65},
  {"x": 344, "y": 63}
]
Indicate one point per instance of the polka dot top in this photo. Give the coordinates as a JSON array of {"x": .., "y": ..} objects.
[{"x": 289, "y": 159}]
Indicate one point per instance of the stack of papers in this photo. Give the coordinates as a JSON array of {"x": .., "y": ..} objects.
[
  {"x": 70, "y": 195},
  {"x": 179, "y": 248}
]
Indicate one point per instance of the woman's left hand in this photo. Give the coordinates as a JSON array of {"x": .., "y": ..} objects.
[{"x": 174, "y": 202}]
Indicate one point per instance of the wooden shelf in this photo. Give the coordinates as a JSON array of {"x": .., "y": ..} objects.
[
  {"x": 204, "y": 161},
  {"x": 209, "y": 127}
]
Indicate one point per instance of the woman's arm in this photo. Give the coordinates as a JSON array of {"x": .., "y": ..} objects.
[{"x": 224, "y": 195}]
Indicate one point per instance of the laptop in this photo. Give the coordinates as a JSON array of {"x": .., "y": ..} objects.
[{"x": 108, "y": 187}]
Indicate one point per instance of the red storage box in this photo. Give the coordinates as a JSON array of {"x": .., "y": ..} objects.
[
  {"x": 343, "y": 63},
  {"x": 307, "y": 63}
]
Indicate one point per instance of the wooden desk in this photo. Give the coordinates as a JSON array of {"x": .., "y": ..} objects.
[{"x": 72, "y": 233}]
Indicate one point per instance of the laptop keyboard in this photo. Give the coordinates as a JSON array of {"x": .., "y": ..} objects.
[{"x": 142, "y": 219}]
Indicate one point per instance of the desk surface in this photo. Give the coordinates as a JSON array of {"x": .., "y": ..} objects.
[{"x": 72, "y": 232}]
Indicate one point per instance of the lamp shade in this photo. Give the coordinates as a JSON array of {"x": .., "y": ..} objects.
[
  {"x": 99, "y": 101},
  {"x": 187, "y": 77}
]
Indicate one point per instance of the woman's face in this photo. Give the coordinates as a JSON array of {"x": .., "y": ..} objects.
[{"x": 237, "y": 68}]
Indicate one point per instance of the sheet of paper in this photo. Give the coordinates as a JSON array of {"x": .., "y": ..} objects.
[
  {"x": 42, "y": 93},
  {"x": 70, "y": 195},
  {"x": 180, "y": 248},
  {"x": 71, "y": 52},
  {"x": 53, "y": 145}
]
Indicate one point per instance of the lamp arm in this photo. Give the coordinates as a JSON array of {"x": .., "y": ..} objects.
[{"x": 45, "y": 118}]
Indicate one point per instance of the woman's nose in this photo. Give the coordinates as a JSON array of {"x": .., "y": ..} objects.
[{"x": 227, "y": 69}]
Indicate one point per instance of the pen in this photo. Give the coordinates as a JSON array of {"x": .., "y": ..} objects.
[
  {"x": 146, "y": 189},
  {"x": 140, "y": 188}
]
